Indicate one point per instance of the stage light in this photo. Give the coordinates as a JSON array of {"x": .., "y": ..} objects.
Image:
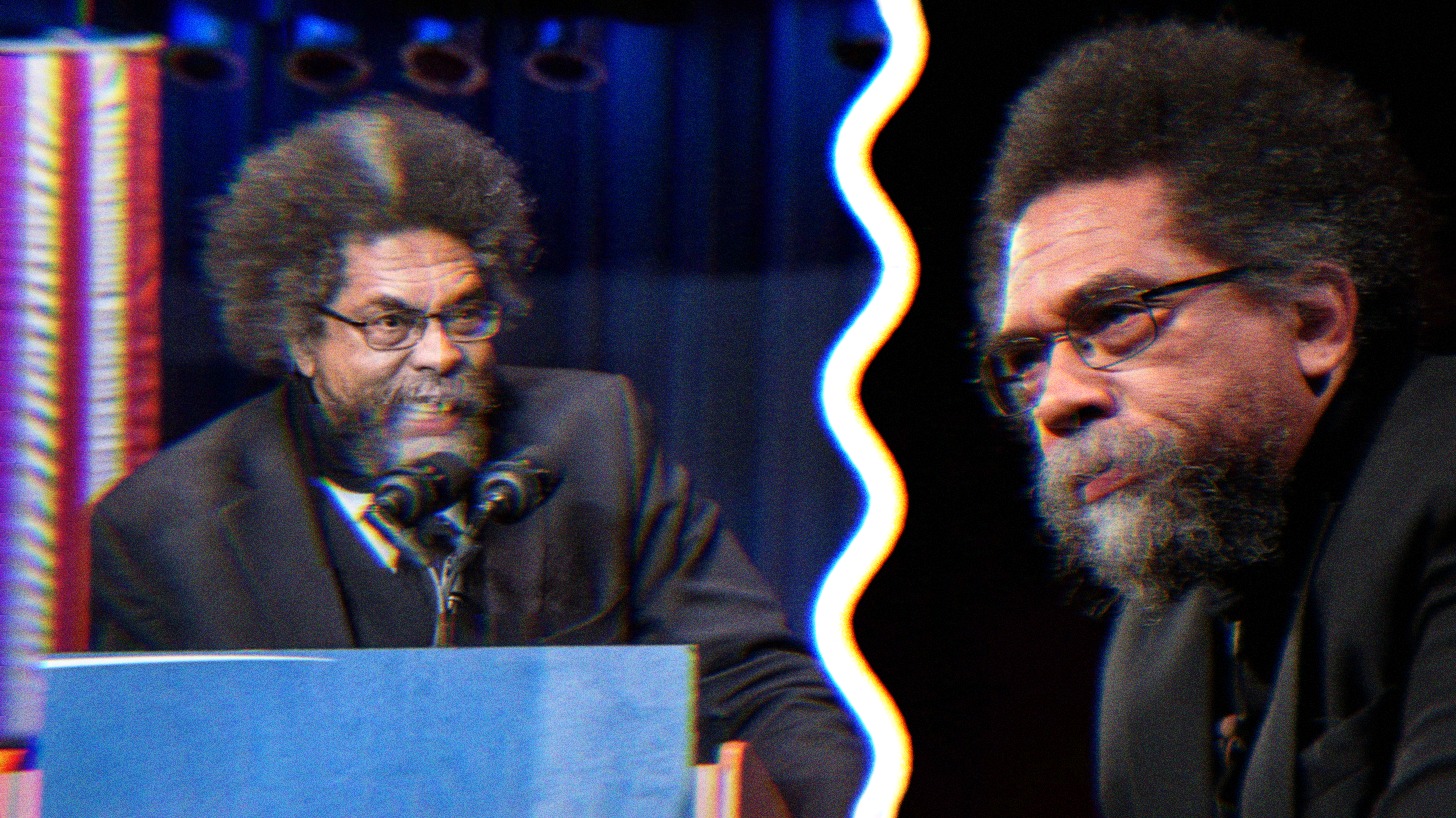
[
  {"x": 325, "y": 57},
  {"x": 861, "y": 39},
  {"x": 201, "y": 54},
  {"x": 444, "y": 57},
  {"x": 567, "y": 56}
]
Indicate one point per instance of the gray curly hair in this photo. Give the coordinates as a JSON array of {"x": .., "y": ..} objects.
[
  {"x": 274, "y": 247},
  {"x": 1272, "y": 161}
]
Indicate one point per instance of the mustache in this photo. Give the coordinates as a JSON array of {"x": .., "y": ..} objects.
[
  {"x": 469, "y": 393},
  {"x": 1200, "y": 513},
  {"x": 1077, "y": 461}
]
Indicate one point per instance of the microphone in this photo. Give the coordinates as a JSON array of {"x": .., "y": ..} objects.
[
  {"x": 415, "y": 491},
  {"x": 505, "y": 491},
  {"x": 510, "y": 489}
]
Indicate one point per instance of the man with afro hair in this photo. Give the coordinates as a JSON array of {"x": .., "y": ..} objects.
[
  {"x": 1198, "y": 256},
  {"x": 368, "y": 258}
]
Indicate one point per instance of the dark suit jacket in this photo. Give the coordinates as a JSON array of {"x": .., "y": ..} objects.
[
  {"x": 1362, "y": 709},
  {"x": 214, "y": 545}
]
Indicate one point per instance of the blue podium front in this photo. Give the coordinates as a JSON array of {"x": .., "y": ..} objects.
[{"x": 481, "y": 732}]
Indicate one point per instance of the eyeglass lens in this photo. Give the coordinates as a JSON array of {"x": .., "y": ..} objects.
[
  {"x": 1102, "y": 335},
  {"x": 396, "y": 330}
]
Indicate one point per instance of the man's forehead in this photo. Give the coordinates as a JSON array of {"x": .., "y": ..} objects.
[
  {"x": 1082, "y": 239},
  {"x": 410, "y": 263},
  {"x": 1076, "y": 219}
]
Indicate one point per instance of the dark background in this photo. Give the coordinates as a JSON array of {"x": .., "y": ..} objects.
[
  {"x": 994, "y": 673},
  {"x": 745, "y": 266}
]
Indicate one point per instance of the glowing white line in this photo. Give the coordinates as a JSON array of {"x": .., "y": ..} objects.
[
  {"x": 844, "y": 369},
  {"x": 109, "y": 228},
  {"x": 160, "y": 658}
]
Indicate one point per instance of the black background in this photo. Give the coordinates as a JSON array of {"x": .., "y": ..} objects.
[{"x": 995, "y": 674}]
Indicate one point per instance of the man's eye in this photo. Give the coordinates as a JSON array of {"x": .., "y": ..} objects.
[
  {"x": 1108, "y": 317},
  {"x": 1018, "y": 361},
  {"x": 461, "y": 314},
  {"x": 391, "y": 320}
]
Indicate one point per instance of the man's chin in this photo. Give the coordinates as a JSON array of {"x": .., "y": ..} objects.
[
  {"x": 1115, "y": 540},
  {"x": 411, "y": 449},
  {"x": 1149, "y": 544},
  {"x": 375, "y": 440}
]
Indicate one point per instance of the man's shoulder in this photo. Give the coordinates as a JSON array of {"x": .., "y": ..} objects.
[
  {"x": 1417, "y": 436},
  {"x": 1406, "y": 478},
  {"x": 1429, "y": 389},
  {"x": 529, "y": 390},
  {"x": 539, "y": 383},
  {"x": 213, "y": 455},
  {"x": 594, "y": 414},
  {"x": 1398, "y": 514}
]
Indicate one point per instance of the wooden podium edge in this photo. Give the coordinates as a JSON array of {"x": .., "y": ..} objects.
[
  {"x": 20, "y": 794},
  {"x": 737, "y": 786}
]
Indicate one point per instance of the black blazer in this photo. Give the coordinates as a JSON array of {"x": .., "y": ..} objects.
[
  {"x": 215, "y": 545},
  {"x": 1362, "y": 709}
]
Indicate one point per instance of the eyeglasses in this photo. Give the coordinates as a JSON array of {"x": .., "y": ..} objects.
[
  {"x": 402, "y": 329},
  {"x": 1116, "y": 326}
]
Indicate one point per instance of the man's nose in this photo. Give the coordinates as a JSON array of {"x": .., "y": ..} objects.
[
  {"x": 1073, "y": 394},
  {"x": 435, "y": 351}
]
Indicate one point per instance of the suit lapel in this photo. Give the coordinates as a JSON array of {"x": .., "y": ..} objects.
[
  {"x": 1156, "y": 732},
  {"x": 1268, "y": 789},
  {"x": 514, "y": 555},
  {"x": 557, "y": 577},
  {"x": 1270, "y": 779},
  {"x": 275, "y": 540}
]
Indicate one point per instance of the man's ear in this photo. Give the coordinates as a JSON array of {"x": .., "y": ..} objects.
[
  {"x": 304, "y": 362},
  {"x": 1325, "y": 309}
]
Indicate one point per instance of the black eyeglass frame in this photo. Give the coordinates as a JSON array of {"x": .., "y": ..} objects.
[
  {"x": 421, "y": 321},
  {"x": 996, "y": 386}
]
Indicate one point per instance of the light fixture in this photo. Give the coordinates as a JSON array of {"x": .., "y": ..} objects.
[
  {"x": 567, "y": 56},
  {"x": 325, "y": 58},
  {"x": 201, "y": 54},
  {"x": 444, "y": 57},
  {"x": 861, "y": 39}
]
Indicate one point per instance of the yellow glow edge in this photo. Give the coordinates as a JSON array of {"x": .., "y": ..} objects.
[{"x": 843, "y": 372}]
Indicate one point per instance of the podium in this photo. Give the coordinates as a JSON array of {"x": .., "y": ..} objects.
[{"x": 579, "y": 731}]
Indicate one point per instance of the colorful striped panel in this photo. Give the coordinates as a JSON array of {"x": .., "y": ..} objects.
[{"x": 80, "y": 266}]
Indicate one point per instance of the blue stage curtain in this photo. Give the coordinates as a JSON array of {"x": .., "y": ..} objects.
[{"x": 692, "y": 240}]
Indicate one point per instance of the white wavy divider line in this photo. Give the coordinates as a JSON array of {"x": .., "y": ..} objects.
[{"x": 884, "y": 516}]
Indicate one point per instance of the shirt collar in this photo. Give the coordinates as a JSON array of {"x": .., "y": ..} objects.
[{"x": 353, "y": 504}]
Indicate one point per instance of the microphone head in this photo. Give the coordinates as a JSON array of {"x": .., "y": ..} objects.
[
  {"x": 418, "y": 489},
  {"x": 510, "y": 489}
]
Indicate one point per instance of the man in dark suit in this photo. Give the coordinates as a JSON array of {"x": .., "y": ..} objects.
[
  {"x": 1199, "y": 254},
  {"x": 369, "y": 257}
]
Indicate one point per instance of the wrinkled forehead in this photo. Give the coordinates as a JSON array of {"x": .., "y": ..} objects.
[
  {"x": 1084, "y": 237},
  {"x": 425, "y": 265}
]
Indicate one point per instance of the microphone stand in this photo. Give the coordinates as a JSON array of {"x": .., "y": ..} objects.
[
  {"x": 504, "y": 496},
  {"x": 449, "y": 580},
  {"x": 507, "y": 491},
  {"x": 450, "y": 589}
]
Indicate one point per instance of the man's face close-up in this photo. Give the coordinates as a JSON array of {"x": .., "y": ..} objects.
[
  {"x": 390, "y": 407},
  {"x": 1164, "y": 467}
]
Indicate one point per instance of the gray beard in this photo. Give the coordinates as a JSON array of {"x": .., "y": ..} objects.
[
  {"x": 364, "y": 429},
  {"x": 1188, "y": 522}
]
